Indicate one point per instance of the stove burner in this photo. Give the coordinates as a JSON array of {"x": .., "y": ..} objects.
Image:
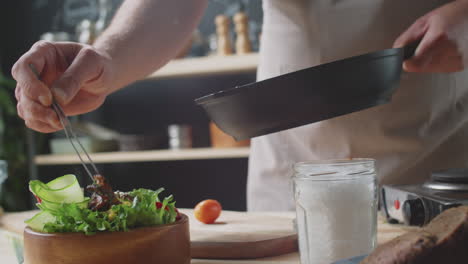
[
  {"x": 441, "y": 186},
  {"x": 448, "y": 180},
  {"x": 451, "y": 175}
]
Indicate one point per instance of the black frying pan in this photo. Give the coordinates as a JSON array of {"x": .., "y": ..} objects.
[{"x": 309, "y": 95}]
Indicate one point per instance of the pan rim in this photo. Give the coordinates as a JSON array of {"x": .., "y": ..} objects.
[{"x": 238, "y": 89}]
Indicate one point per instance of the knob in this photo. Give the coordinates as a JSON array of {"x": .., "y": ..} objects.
[{"x": 413, "y": 212}]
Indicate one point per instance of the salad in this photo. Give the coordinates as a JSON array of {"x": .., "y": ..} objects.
[{"x": 64, "y": 207}]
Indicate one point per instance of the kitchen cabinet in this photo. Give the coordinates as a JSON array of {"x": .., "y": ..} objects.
[
  {"x": 209, "y": 65},
  {"x": 149, "y": 106},
  {"x": 148, "y": 155}
]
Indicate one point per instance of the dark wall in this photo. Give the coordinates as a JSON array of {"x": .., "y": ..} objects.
[
  {"x": 15, "y": 31},
  {"x": 189, "y": 181}
]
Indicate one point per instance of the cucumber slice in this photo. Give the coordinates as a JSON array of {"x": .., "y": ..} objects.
[
  {"x": 65, "y": 189},
  {"x": 52, "y": 206},
  {"x": 38, "y": 221}
]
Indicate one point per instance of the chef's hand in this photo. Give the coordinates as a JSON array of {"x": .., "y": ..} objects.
[
  {"x": 76, "y": 75},
  {"x": 444, "y": 45}
]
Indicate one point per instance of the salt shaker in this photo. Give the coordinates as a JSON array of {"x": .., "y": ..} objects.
[{"x": 243, "y": 45}]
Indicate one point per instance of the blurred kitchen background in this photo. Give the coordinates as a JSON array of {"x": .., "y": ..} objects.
[{"x": 150, "y": 134}]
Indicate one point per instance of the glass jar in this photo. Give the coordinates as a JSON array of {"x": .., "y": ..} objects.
[
  {"x": 336, "y": 208},
  {"x": 3, "y": 171}
]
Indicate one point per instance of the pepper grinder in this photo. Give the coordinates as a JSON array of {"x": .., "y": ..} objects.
[
  {"x": 243, "y": 45},
  {"x": 222, "y": 30}
]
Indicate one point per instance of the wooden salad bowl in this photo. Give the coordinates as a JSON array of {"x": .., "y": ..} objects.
[{"x": 159, "y": 244}]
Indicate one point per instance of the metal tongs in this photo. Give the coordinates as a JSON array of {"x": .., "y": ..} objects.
[{"x": 67, "y": 127}]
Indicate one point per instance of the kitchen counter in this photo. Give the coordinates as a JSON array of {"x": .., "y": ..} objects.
[{"x": 11, "y": 225}]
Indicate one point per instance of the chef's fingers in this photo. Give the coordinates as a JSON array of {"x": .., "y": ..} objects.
[
  {"x": 426, "y": 51},
  {"x": 32, "y": 111},
  {"x": 28, "y": 84},
  {"x": 36, "y": 91},
  {"x": 442, "y": 56},
  {"x": 18, "y": 92},
  {"x": 84, "y": 102},
  {"x": 414, "y": 33},
  {"x": 86, "y": 68},
  {"x": 40, "y": 126},
  {"x": 19, "y": 110}
]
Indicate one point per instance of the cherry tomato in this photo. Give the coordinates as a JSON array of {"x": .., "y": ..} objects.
[
  {"x": 207, "y": 211},
  {"x": 159, "y": 205},
  {"x": 38, "y": 199}
]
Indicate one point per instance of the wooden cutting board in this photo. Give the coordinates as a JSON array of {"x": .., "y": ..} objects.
[{"x": 236, "y": 235}]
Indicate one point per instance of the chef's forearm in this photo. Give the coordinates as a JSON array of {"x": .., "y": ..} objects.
[{"x": 145, "y": 34}]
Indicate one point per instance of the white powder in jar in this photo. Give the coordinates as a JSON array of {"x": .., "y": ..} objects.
[{"x": 336, "y": 218}]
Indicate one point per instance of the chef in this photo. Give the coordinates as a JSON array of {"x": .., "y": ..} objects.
[{"x": 424, "y": 128}]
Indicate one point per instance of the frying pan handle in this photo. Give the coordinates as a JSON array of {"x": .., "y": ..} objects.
[{"x": 410, "y": 49}]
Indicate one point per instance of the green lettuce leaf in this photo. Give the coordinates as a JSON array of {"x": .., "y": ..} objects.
[{"x": 137, "y": 211}]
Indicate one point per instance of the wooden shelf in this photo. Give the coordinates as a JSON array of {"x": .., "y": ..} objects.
[
  {"x": 149, "y": 155},
  {"x": 208, "y": 65}
]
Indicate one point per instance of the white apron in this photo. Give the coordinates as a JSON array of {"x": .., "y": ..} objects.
[{"x": 424, "y": 128}]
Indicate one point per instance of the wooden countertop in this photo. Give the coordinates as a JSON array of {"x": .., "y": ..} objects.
[{"x": 12, "y": 225}]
